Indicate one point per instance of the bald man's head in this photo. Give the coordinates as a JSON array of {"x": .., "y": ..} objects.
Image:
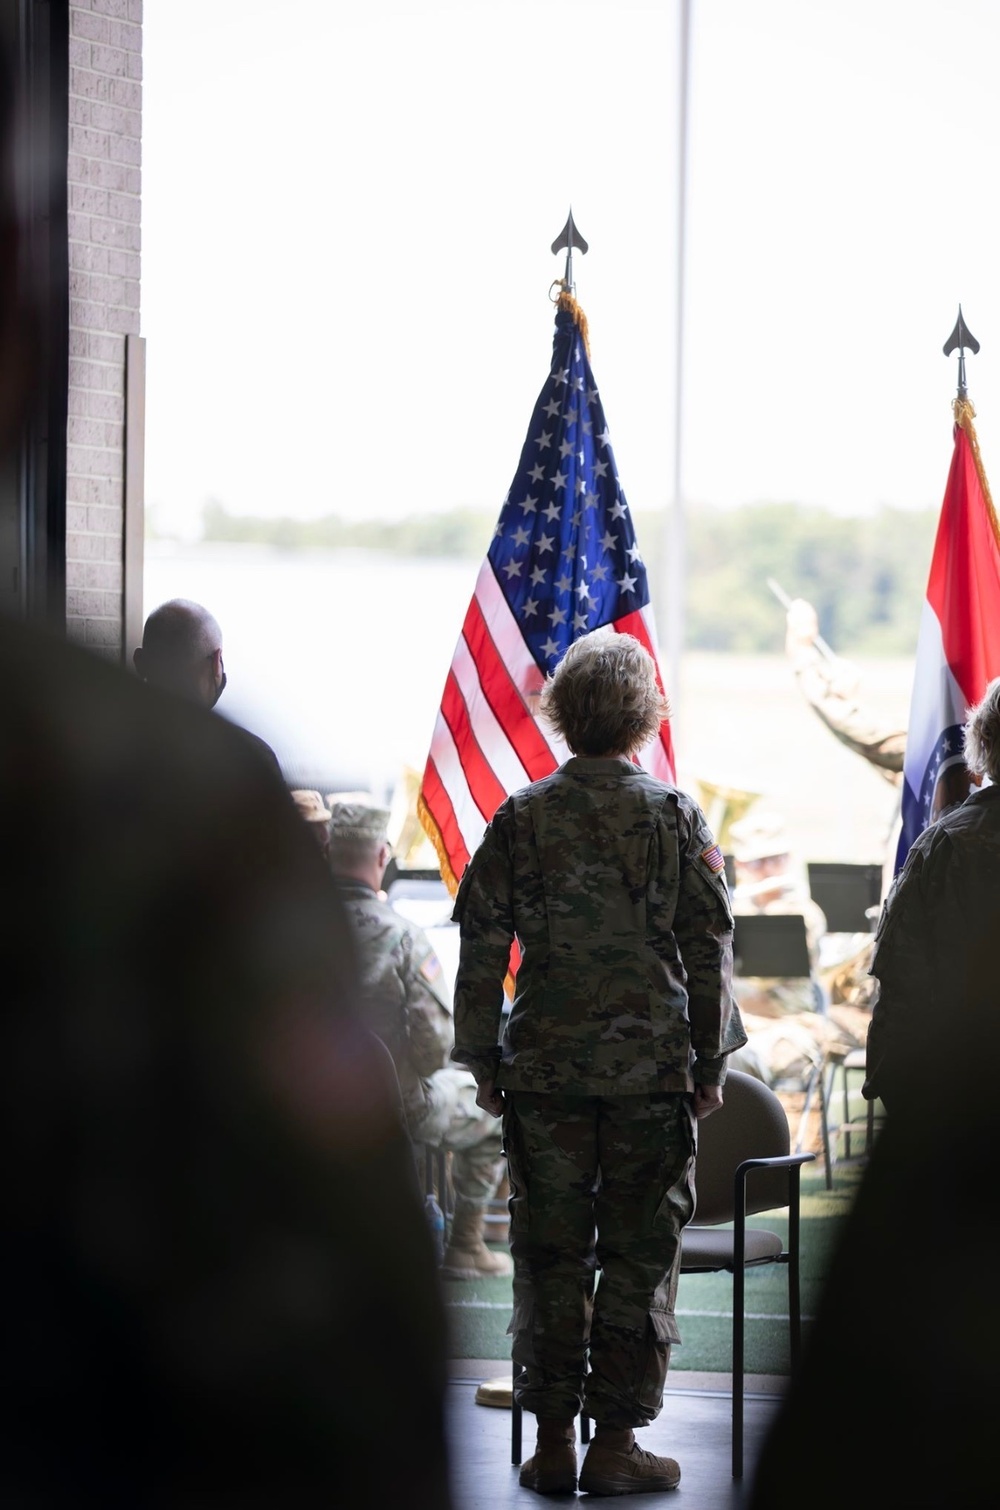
[{"x": 182, "y": 651}]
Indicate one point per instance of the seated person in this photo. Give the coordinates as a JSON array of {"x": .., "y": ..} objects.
[{"x": 404, "y": 993}]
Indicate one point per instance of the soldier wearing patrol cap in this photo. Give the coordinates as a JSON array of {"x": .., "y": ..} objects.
[
  {"x": 408, "y": 1006},
  {"x": 313, "y": 809}
]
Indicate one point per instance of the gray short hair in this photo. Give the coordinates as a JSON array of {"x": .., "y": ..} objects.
[
  {"x": 982, "y": 734},
  {"x": 604, "y": 697}
]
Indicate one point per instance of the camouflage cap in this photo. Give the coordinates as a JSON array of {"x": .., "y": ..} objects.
[
  {"x": 356, "y": 816},
  {"x": 310, "y": 805},
  {"x": 760, "y": 836}
]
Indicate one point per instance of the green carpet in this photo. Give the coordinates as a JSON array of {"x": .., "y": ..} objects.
[{"x": 479, "y": 1312}]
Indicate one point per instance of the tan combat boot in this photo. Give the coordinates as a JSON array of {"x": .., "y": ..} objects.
[
  {"x": 552, "y": 1470},
  {"x": 616, "y": 1464},
  {"x": 467, "y": 1256}
]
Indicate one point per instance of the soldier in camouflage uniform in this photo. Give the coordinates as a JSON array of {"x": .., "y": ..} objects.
[
  {"x": 936, "y": 943},
  {"x": 405, "y": 995},
  {"x": 617, "y": 1040}
]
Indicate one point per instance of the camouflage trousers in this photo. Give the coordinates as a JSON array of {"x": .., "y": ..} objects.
[
  {"x": 452, "y": 1120},
  {"x": 601, "y": 1189}
]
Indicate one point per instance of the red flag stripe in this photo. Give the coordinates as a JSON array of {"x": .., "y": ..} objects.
[
  {"x": 962, "y": 587},
  {"x": 453, "y": 778},
  {"x": 484, "y": 788},
  {"x": 658, "y": 756},
  {"x": 490, "y": 734},
  {"x": 509, "y": 676},
  {"x": 439, "y": 805}
]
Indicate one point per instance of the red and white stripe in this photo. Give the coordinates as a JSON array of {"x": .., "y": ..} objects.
[{"x": 487, "y": 740}]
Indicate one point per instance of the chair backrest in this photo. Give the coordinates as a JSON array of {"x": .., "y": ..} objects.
[{"x": 750, "y": 1124}]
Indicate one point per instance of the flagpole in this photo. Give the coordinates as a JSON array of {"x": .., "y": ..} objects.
[{"x": 672, "y": 612}]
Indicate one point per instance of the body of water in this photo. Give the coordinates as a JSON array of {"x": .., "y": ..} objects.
[{"x": 338, "y": 660}]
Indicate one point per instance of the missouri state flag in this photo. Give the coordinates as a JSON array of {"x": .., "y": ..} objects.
[
  {"x": 563, "y": 561},
  {"x": 958, "y": 649}
]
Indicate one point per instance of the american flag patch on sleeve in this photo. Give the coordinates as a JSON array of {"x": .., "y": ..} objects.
[{"x": 713, "y": 858}]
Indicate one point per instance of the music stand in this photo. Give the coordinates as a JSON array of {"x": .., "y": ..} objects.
[
  {"x": 846, "y": 892},
  {"x": 771, "y": 943}
]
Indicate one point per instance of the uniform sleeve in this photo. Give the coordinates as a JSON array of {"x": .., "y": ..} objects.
[
  {"x": 902, "y": 965},
  {"x": 703, "y": 928},
  {"x": 484, "y": 910},
  {"x": 429, "y": 1026}
]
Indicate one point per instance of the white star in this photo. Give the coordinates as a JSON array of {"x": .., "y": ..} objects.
[
  {"x": 498, "y": 531},
  {"x": 545, "y": 439},
  {"x": 570, "y": 551},
  {"x": 580, "y": 457},
  {"x": 521, "y": 536},
  {"x": 537, "y": 473},
  {"x": 575, "y": 520},
  {"x": 604, "y": 437},
  {"x": 633, "y": 554},
  {"x": 558, "y": 616},
  {"x": 564, "y": 584},
  {"x": 559, "y": 481},
  {"x": 578, "y": 384},
  {"x": 600, "y": 572},
  {"x": 529, "y": 608},
  {"x": 571, "y": 415},
  {"x": 609, "y": 541},
  {"x": 581, "y": 485},
  {"x": 552, "y": 408},
  {"x": 545, "y": 543},
  {"x": 529, "y": 506},
  {"x": 551, "y": 512},
  {"x": 626, "y": 583},
  {"x": 513, "y": 569},
  {"x": 587, "y": 427},
  {"x": 550, "y": 647},
  {"x": 565, "y": 449},
  {"x": 538, "y": 576},
  {"x": 563, "y": 376},
  {"x": 583, "y": 591},
  {"x": 618, "y": 510},
  {"x": 579, "y": 621},
  {"x": 600, "y": 469},
  {"x": 591, "y": 395},
  {"x": 590, "y": 500}
]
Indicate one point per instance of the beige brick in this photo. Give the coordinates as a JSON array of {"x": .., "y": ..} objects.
[
  {"x": 115, "y": 233},
  {"x": 95, "y": 492},
  {"x": 105, "y": 406},
  {"x": 127, "y": 92},
  {"x": 103, "y": 632},
  {"x": 135, "y": 11},
  {"x": 79, "y": 53},
  {"x": 85, "y": 374},
  {"x": 89, "y": 84},
  {"x": 125, "y": 35},
  {"x": 124, "y": 207},
  {"x": 125, "y": 320},
  {"x": 126, "y": 149},
  {"x": 78, "y": 115},
  {"x": 78, "y": 226},
  {"x": 90, "y": 259},
  {"x": 105, "y": 521},
  {"x": 79, "y": 600},
  {"x": 110, "y": 60},
  {"x": 88, "y": 142},
  {"x": 116, "y": 8},
  {"x": 103, "y": 575},
  {"x": 104, "y": 347},
  {"x": 99, "y": 433},
  {"x": 83, "y": 547},
  {"x": 84, "y": 23},
  {"x": 135, "y": 65},
  {"x": 124, "y": 264}
]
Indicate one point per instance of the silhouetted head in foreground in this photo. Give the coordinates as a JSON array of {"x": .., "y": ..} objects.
[{"x": 182, "y": 652}]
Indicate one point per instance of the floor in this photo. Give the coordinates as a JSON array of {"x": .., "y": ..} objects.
[{"x": 693, "y": 1427}]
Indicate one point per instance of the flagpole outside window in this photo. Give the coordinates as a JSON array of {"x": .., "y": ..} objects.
[{"x": 673, "y": 606}]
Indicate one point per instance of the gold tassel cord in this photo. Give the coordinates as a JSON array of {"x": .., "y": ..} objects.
[
  {"x": 964, "y": 416},
  {"x": 434, "y": 835},
  {"x": 567, "y": 301}
]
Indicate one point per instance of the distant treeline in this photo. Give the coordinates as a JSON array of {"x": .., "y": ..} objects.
[{"x": 866, "y": 577}]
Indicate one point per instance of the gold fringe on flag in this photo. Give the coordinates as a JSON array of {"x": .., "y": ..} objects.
[
  {"x": 434, "y": 835},
  {"x": 567, "y": 301},
  {"x": 964, "y": 415}
]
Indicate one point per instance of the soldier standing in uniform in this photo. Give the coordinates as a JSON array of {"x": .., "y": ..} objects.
[
  {"x": 404, "y": 991},
  {"x": 622, "y": 1020}
]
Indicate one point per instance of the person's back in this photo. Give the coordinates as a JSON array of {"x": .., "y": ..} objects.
[{"x": 204, "y": 1156}]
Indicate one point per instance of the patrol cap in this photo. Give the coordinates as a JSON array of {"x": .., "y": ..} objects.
[
  {"x": 357, "y": 817},
  {"x": 759, "y": 837},
  {"x": 310, "y": 805}
]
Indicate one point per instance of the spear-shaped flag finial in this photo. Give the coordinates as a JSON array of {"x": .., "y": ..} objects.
[
  {"x": 960, "y": 338},
  {"x": 569, "y": 237}
]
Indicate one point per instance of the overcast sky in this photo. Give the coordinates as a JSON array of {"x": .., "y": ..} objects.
[{"x": 348, "y": 209}]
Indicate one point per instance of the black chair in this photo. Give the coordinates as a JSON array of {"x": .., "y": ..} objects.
[{"x": 744, "y": 1166}]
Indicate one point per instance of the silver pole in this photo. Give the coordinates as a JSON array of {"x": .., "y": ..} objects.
[{"x": 674, "y": 571}]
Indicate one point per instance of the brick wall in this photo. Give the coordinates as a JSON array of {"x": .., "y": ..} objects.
[{"x": 105, "y": 121}]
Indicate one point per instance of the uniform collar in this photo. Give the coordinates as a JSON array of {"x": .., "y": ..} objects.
[{"x": 599, "y": 765}]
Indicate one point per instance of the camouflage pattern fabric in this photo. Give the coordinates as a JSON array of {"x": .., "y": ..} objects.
[
  {"x": 404, "y": 995},
  {"x": 614, "y": 887},
  {"x": 624, "y": 1163},
  {"x": 935, "y": 953}
]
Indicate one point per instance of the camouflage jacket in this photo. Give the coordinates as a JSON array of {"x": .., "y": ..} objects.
[
  {"x": 935, "y": 956},
  {"x": 613, "y": 886},
  {"x": 403, "y": 991}
]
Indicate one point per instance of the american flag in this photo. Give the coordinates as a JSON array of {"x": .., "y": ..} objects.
[{"x": 563, "y": 561}]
